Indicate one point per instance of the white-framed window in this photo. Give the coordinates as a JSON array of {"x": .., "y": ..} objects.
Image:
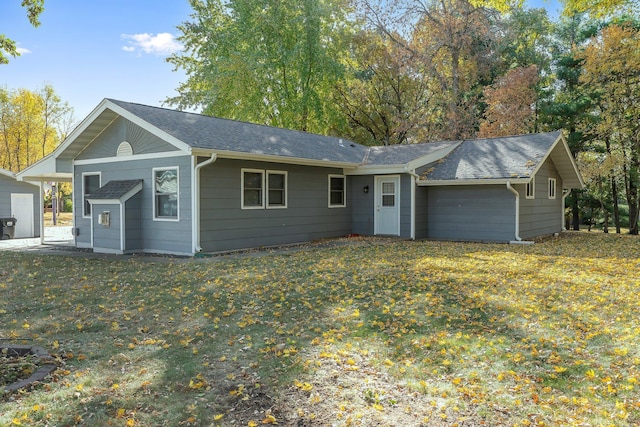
[
  {"x": 90, "y": 183},
  {"x": 337, "y": 191},
  {"x": 166, "y": 194},
  {"x": 252, "y": 189},
  {"x": 276, "y": 189},
  {"x": 552, "y": 188},
  {"x": 531, "y": 189},
  {"x": 264, "y": 189}
]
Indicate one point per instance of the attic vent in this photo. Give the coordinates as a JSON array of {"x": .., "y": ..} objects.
[{"x": 124, "y": 149}]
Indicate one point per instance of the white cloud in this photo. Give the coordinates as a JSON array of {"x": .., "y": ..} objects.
[
  {"x": 158, "y": 44},
  {"x": 22, "y": 50}
]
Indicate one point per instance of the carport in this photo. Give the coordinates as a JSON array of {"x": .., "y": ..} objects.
[{"x": 48, "y": 169}]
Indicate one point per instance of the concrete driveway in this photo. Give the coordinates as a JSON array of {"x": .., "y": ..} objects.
[{"x": 59, "y": 236}]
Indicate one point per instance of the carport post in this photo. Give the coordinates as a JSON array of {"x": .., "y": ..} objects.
[{"x": 41, "y": 203}]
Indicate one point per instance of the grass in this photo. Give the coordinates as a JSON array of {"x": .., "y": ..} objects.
[
  {"x": 62, "y": 219},
  {"x": 369, "y": 333}
]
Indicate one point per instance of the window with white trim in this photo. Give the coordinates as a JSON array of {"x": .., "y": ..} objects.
[
  {"x": 264, "y": 189},
  {"x": 90, "y": 183},
  {"x": 552, "y": 188},
  {"x": 337, "y": 191},
  {"x": 252, "y": 189},
  {"x": 531, "y": 189},
  {"x": 276, "y": 189},
  {"x": 165, "y": 193}
]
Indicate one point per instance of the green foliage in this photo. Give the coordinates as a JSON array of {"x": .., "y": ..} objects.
[
  {"x": 599, "y": 8},
  {"x": 271, "y": 62},
  {"x": 8, "y": 46}
]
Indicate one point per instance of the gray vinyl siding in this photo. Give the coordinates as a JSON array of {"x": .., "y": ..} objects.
[
  {"x": 422, "y": 217},
  {"x": 10, "y": 186},
  {"x": 133, "y": 224},
  {"x": 405, "y": 206},
  {"x": 362, "y": 204},
  {"x": 106, "y": 239},
  {"x": 470, "y": 213},
  {"x": 541, "y": 216},
  {"x": 155, "y": 235},
  {"x": 224, "y": 225},
  {"x": 142, "y": 142}
]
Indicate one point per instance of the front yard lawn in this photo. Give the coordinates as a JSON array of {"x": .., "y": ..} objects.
[{"x": 367, "y": 333}]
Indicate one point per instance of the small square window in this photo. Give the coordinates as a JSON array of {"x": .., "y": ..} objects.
[
  {"x": 531, "y": 189},
  {"x": 337, "y": 191},
  {"x": 552, "y": 188}
]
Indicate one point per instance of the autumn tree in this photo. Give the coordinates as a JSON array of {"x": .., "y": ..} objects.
[
  {"x": 611, "y": 63},
  {"x": 452, "y": 43},
  {"x": 599, "y": 8},
  {"x": 570, "y": 103},
  {"x": 269, "y": 61},
  {"x": 511, "y": 103},
  {"x": 31, "y": 125},
  {"x": 383, "y": 97},
  {"x": 7, "y": 46}
]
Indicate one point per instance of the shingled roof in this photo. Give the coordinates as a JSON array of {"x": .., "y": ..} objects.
[
  {"x": 116, "y": 190},
  {"x": 213, "y": 133},
  {"x": 402, "y": 154},
  {"x": 494, "y": 158}
]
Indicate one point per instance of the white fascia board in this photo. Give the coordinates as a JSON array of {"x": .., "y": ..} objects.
[
  {"x": 236, "y": 155},
  {"x": 149, "y": 156},
  {"x": 182, "y": 146},
  {"x": 104, "y": 201},
  {"x": 441, "y": 183},
  {"x": 126, "y": 196},
  {"x": 571, "y": 159},
  {"x": 7, "y": 173},
  {"x": 43, "y": 170},
  {"x": 84, "y": 124},
  {"x": 560, "y": 140},
  {"x": 378, "y": 170}
]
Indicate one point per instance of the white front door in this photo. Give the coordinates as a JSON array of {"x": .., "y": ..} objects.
[
  {"x": 22, "y": 211},
  {"x": 387, "y": 206}
]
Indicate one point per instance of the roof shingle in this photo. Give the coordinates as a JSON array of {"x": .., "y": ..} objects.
[{"x": 494, "y": 158}]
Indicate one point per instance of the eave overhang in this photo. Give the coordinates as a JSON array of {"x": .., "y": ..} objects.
[
  {"x": 259, "y": 157},
  {"x": 487, "y": 181}
]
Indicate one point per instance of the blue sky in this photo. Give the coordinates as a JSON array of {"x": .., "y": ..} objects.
[{"x": 94, "y": 49}]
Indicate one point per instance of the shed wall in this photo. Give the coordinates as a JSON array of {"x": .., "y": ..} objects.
[{"x": 8, "y": 186}]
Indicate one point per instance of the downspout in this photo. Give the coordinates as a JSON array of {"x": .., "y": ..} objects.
[
  {"x": 565, "y": 193},
  {"x": 196, "y": 201},
  {"x": 415, "y": 177},
  {"x": 514, "y": 191}
]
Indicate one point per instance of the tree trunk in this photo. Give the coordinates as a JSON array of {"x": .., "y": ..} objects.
[
  {"x": 616, "y": 208},
  {"x": 575, "y": 224}
]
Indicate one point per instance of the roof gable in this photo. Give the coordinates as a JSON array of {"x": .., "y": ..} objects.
[
  {"x": 222, "y": 135},
  {"x": 513, "y": 158}
]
